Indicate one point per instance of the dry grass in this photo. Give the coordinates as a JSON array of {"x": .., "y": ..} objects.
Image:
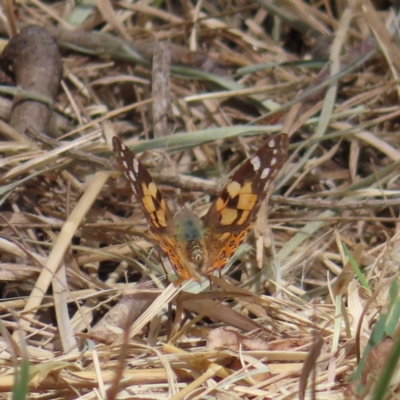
[{"x": 84, "y": 296}]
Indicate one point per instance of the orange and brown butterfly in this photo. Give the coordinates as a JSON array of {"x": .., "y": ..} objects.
[{"x": 197, "y": 246}]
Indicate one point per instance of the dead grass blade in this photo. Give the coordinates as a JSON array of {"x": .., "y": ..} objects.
[{"x": 81, "y": 275}]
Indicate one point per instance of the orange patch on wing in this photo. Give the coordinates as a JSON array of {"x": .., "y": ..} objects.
[
  {"x": 224, "y": 236},
  {"x": 169, "y": 247},
  {"x": 154, "y": 220},
  {"x": 148, "y": 204},
  {"x": 220, "y": 204},
  {"x": 163, "y": 204},
  {"x": 146, "y": 190},
  {"x": 247, "y": 201},
  {"x": 228, "y": 216},
  {"x": 246, "y": 188},
  {"x": 160, "y": 214},
  {"x": 233, "y": 188},
  {"x": 153, "y": 189},
  {"x": 243, "y": 218}
]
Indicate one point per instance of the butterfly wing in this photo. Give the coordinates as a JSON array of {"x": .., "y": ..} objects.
[
  {"x": 234, "y": 212},
  {"x": 154, "y": 207}
]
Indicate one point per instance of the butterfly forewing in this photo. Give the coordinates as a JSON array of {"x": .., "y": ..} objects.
[
  {"x": 235, "y": 210},
  {"x": 146, "y": 192}
]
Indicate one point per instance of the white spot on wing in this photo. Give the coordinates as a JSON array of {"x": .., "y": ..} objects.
[
  {"x": 125, "y": 164},
  {"x": 265, "y": 173},
  {"x": 132, "y": 176},
  {"x": 255, "y": 161},
  {"x": 275, "y": 151},
  {"x": 136, "y": 165},
  {"x": 123, "y": 147},
  {"x": 271, "y": 143},
  {"x": 273, "y": 161},
  {"x": 266, "y": 185}
]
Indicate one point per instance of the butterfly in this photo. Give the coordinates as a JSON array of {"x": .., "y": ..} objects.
[{"x": 196, "y": 246}]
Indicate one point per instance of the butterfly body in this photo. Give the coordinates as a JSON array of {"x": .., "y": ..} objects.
[
  {"x": 196, "y": 246},
  {"x": 189, "y": 235}
]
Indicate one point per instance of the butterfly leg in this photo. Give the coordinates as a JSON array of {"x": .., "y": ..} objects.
[
  {"x": 211, "y": 284},
  {"x": 165, "y": 270},
  {"x": 176, "y": 324},
  {"x": 169, "y": 325}
]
